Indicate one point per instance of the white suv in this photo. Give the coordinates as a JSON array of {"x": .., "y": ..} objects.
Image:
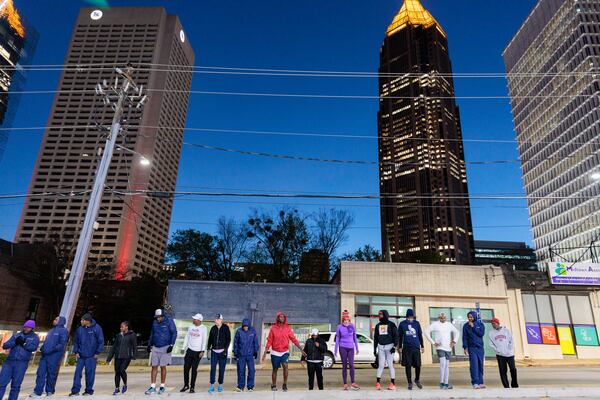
[{"x": 365, "y": 350}]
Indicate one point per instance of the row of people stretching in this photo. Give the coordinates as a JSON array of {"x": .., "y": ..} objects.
[{"x": 407, "y": 337}]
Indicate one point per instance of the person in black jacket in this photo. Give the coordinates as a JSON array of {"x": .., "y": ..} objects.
[
  {"x": 315, "y": 348},
  {"x": 385, "y": 342},
  {"x": 219, "y": 339},
  {"x": 123, "y": 351}
]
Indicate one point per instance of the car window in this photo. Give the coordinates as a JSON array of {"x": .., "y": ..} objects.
[
  {"x": 362, "y": 339},
  {"x": 325, "y": 336}
]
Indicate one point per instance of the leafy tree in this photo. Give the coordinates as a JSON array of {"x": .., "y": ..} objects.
[
  {"x": 281, "y": 239},
  {"x": 367, "y": 253},
  {"x": 425, "y": 257},
  {"x": 331, "y": 230},
  {"x": 193, "y": 255}
]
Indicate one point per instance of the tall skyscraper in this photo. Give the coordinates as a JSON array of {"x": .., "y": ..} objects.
[
  {"x": 132, "y": 230},
  {"x": 423, "y": 179},
  {"x": 17, "y": 42},
  {"x": 553, "y": 66}
]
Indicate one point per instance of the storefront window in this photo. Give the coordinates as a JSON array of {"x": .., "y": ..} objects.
[
  {"x": 558, "y": 319},
  {"x": 367, "y": 308},
  {"x": 458, "y": 317},
  {"x": 302, "y": 333}
]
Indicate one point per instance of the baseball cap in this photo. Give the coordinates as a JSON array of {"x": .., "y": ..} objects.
[
  {"x": 495, "y": 321},
  {"x": 198, "y": 317},
  {"x": 314, "y": 332},
  {"x": 158, "y": 313},
  {"x": 219, "y": 316}
]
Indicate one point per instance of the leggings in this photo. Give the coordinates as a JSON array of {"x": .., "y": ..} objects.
[
  {"x": 121, "y": 365},
  {"x": 347, "y": 355},
  {"x": 385, "y": 355}
]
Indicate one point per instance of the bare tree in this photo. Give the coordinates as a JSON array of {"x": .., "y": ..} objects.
[
  {"x": 231, "y": 244},
  {"x": 331, "y": 229}
]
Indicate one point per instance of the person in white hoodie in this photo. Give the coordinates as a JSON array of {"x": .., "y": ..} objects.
[
  {"x": 194, "y": 346},
  {"x": 501, "y": 341},
  {"x": 446, "y": 336}
]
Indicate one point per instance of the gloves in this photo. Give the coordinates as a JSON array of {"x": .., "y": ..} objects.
[
  {"x": 235, "y": 356},
  {"x": 169, "y": 349},
  {"x": 20, "y": 341},
  {"x": 149, "y": 349},
  {"x": 375, "y": 353},
  {"x": 393, "y": 350},
  {"x": 256, "y": 355},
  {"x": 108, "y": 360}
]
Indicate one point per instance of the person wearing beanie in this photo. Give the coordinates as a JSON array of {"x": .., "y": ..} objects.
[
  {"x": 20, "y": 345},
  {"x": 123, "y": 351},
  {"x": 501, "y": 341},
  {"x": 313, "y": 353},
  {"x": 446, "y": 337},
  {"x": 219, "y": 340},
  {"x": 385, "y": 341},
  {"x": 194, "y": 347},
  {"x": 88, "y": 343},
  {"x": 245, "y": 350},
  {"x": 472, "y": 337},
  {"x": 52, "y": 351},
  {"x": 346, "y": 345},
  {"x": 160, "y": 345},
  {"x": 411, "y": 347}
]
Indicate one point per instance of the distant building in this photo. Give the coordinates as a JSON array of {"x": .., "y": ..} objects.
[
  {"x": 132, "y": 230},
  {"x": 553, "y": 65},
  {"x": 423, "y": 180},
  {"x": 314, "y": 267},
  {"x": 17, "y": 43},
  {"x": 518, "y": 254}
]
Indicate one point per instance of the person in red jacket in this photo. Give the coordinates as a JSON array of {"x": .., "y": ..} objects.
[{"x": 278, "y": 341}]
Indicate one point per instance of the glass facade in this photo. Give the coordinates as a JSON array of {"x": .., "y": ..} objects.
[
  {"x": 367, "y": 308},
  {"x": 458, "y": 317},
  {"x": 552, "y": 65},
  {"x": 557, "y": 319}
]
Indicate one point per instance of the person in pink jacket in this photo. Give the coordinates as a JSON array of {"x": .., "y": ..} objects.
[
  {"x": 278, "y": 341},
  {"x": 346, "y": 344}
]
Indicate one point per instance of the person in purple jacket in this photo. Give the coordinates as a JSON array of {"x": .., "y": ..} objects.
[{"x": 346, "y": 344}]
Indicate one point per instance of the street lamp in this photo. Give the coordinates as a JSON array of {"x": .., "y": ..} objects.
[{"x": 143, "y": 160}]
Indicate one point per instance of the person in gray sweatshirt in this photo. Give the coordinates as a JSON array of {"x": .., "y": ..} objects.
[{"x": 501, "y": 341}]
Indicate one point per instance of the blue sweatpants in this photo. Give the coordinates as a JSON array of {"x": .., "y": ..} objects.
[
  {"x": 47, "y": 373},
  {"x": 12, "y": 372},
  {"x": 219, "y": 359},
  {"x": 90, "y": 375},
  {"x": 476, "y": 356},
  {"x": 242, "y": 363}
]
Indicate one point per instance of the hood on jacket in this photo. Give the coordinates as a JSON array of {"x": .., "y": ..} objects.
[
  {"x": 246, "y": 322},
  {"x": 386, "y": 316},
  {"x": 277, "y": 318},
  {"x": 473, "y": 314},
  {"x": 61, "y": 322}
]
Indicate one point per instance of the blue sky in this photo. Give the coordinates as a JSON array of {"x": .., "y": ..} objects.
[{"x": 330, "y": 35}]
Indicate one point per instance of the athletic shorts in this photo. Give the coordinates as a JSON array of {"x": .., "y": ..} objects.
[
  {"x": 411, "y": 357},
  {"x": 160, "y": 357},
  {"x": 277, "y": 361},
  {"x": 444, "y": 354}
]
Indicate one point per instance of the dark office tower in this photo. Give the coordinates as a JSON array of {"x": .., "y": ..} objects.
[
  {"x": 132, "y": 231},
  {"x": 17, "y": 41},
  {"x": 552, "y": 65},
  {"x": 423, "y": 179}
]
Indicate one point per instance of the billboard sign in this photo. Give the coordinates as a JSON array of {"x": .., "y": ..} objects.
[{"x": 586, "y": 274}]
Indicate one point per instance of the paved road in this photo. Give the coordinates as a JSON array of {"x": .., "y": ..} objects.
[{"x": 529, "y": 377}]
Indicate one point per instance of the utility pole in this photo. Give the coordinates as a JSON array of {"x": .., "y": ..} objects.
[{"x": 124, "y": 93}]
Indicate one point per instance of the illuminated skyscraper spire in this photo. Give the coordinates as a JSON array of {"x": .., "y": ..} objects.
[{"x": 412, "y": 13}]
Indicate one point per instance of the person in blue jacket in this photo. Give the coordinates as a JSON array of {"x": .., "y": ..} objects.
[
  {"x": 52, "y": 351},
  {"x": 160, "y": 345},
  {"x": 88, "y": 344},
  {"x": 21, "y": 345},
  {"x": 473, "y": 332},
  {"x": 245, "y": 349}
]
